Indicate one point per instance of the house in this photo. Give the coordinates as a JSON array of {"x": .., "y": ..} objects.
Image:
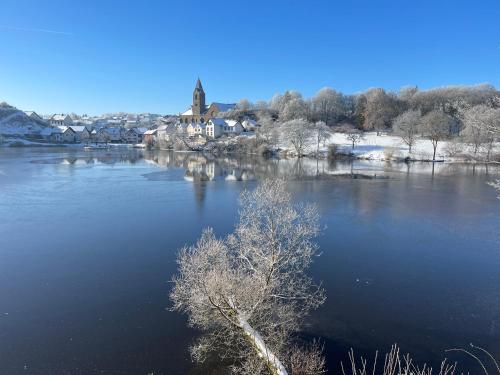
[
  {"x": 46, "y": 134},
  {"x": 115, "y": 134},
  {"x": 249, "y": 125},
  {"x": 200, "y": 129},
  {"x": 59, "y": 134},
  {"x": 214, "y": 128},
  {"x": 131, "y": 136},
  {"x": 93, "y": 135},
  {"x": 190, "y": 129},
  {"x": 165, "y": 132},
  {"x": 150, "y": 137},
  {"x": 233, "y": 127},
  {"x": 219, "y": 126},
  {"x": 81, "y": 131},
  {"x": 112, "y": 134},
  {"x": 61, "y": 120},
  {"x": 181, "y": 128},
  {"x": 199, "y": 111},
  {"x": 35, "y": 116},
  {"x": 134, "y": 135}
]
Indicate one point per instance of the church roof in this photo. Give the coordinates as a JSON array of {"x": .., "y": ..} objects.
[
  {"x": 189, "y": 112},
  {"x": 224, "y": 107}
]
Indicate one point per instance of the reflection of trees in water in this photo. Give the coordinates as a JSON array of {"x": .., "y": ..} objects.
[
  {"x": 110, "y": 157},
  {"x": 207, "y": 167}
]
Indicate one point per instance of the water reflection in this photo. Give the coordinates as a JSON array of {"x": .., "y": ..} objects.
[{"x": 206, "y": 167}]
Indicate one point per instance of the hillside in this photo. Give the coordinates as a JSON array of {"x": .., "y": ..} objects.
[{"x": 14, "y": 122}]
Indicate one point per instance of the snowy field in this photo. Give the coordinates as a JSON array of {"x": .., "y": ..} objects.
[{"x": 389, "y": 147}]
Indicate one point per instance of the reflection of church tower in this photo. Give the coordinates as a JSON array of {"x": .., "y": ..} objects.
[{"x": 198, "y": 99}]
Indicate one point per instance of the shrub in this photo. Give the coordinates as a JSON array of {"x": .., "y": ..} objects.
[
  {"x": 453, "y": 148},
  {"x": 389, "y": 153}
]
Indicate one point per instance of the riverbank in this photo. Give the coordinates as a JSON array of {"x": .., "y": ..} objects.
[{"x": 372, "y": 146}]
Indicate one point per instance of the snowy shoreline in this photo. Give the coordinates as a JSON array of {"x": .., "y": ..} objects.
[{"x": 371, "y": 147}]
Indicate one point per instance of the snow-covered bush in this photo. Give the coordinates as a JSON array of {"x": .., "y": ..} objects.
[
  {"x": 389, "y": 153},
  {"x": 453, "y": 148}
]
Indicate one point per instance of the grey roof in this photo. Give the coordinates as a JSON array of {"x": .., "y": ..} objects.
[
  {"x": 78, "y": 128},
  {"x": 223, "y": 107},
  {"x": 218, "y": 121}
]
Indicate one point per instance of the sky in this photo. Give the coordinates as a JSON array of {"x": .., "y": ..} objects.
[{"x": 104, "y": 56}]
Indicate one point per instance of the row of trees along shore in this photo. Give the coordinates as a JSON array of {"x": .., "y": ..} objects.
[{"x": 468, "y": 114}]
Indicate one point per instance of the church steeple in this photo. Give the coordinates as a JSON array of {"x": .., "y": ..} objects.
[
  {"x": 198, "y": 84},
  {"x": 198, "y": 99}
]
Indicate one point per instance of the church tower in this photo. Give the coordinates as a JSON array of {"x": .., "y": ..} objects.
[{"x": 198, "y": 99}]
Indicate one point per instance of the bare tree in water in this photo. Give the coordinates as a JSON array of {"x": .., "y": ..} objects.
[{"x": 250, "y": 292}]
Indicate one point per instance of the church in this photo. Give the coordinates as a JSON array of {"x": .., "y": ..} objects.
[{"x": 199, "y": 111}]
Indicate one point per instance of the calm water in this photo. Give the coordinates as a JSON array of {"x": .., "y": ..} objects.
[{"x": 88, "y": 243}]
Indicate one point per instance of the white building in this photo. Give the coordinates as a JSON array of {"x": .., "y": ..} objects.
[
  {"x": 190, "y": 129},
  {"x": 200, "y": 129},
  {"x": 61, "y": 120},
  {"x": 214, "y": 127},
  {"x": 219, "y": 126},
  {"x": 233, "y": 127}
]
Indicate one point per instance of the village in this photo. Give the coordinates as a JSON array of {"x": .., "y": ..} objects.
[
  {"x": 375, "y": 125},
  {"x": 197, "y": 125}
]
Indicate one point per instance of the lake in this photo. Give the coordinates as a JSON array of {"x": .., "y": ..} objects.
[{"x": 88, "y": 241}]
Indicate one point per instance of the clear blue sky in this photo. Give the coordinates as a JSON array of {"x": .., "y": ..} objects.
[{"x": 145, "y": 56}]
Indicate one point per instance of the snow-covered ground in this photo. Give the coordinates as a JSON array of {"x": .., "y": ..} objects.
[
  {"x": 389, "y": 147},
  {"x": 14, "y": 122}
]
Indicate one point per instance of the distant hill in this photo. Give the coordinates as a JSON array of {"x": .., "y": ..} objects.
[{"x": 14, "y": 122}]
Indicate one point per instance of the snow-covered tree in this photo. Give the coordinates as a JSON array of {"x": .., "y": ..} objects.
[
  {"x": 294, "y": 109},
  {"x": 380, "y": 108},
  {"x": 450, "y": 99},
  {"x": 268, "y": 130},
  {"x": 482, "y": 127},
  {"x": 407, "y": 126},
  {"x": 279, "y": 101},
  {"x": 328, "y": 105},
  {"x": 436, "y": 126},
  {"x": 321, "y": 133},
  {"x": 250, "y": 292},
  {"x": 406, "y": 93},
  {"x": 299, "y": 133}
]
